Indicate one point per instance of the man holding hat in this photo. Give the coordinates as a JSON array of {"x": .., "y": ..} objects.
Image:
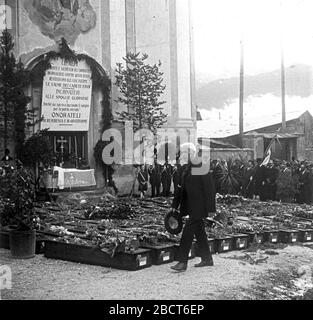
[{"x": 195, "y": 196}]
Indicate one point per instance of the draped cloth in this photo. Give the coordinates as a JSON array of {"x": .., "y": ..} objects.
[{"x": 73, "y": 178}]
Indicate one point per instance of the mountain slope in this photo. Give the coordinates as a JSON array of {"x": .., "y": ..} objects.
[{"x": 219, "y": 93}]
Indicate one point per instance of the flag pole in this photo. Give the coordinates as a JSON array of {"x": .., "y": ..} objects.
[
  {"x": 283, "y": 76},
  {"x": 241, "y": 94},
  {"x": 283, "y": 90}
]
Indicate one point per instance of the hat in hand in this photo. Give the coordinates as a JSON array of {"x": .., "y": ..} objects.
[{"x": 173, "y": 222}]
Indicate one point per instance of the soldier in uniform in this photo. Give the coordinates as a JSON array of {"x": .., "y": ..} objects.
[
  {"x": 216, "y": 168},
  {"x": 248, "y": 182},
  {"x": 175, "y": 175},
  {"x": 259, "y": 180},
  {"x": 272, "y": 174},
  {"x": 155, "y": 179},
  {"x": 306, "y": 189},
  {"x": 142, "y": 178},
  {"x": 166, "y": 179}
]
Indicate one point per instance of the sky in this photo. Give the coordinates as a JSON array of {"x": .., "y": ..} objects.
[
  {"x": 266, "y": 26},
  {"x": 263, "y": 24}
]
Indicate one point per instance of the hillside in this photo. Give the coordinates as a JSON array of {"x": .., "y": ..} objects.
[{"x": 218, "y": 94}]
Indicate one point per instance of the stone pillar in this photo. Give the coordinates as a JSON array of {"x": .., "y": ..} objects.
[{"x": 130, "y": 22}]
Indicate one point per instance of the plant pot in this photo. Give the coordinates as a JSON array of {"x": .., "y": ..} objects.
[{"x": 23, "y": 244}]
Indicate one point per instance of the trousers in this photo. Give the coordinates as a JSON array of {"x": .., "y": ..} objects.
[{"x": 194, "y": 228}]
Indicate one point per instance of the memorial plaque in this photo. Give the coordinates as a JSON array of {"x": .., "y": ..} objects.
[{"x": 66, "y": 96}]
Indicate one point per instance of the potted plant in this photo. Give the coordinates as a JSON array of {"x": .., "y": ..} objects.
[{"x": 17, "y": 197}]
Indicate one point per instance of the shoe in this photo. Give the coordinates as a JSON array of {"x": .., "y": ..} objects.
[
  {"x": 204, "y": 263},
  {"x": 180, "y": 267}
]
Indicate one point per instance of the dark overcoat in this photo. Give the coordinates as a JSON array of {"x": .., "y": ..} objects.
[{"x": 195, "y": 195}]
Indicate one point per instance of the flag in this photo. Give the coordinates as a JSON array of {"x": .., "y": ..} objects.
[
  {"x": 268, "y": 152},
  {"x": 267, "y": 158}
]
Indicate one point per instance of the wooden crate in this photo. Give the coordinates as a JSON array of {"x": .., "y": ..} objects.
[
  {"x": 161, "y": 254},
  {"x": 137, "y": 260},
  {"x": 211, "y": 246},
  {"x": 271, "y": 236},
  {"x": 305, "y": 235},
  {"x": 288, "y": 236},
  {"x": 223, "y": 244},
  {"x": 240, "y": 241},
  {"x": 255, "y": 237}
]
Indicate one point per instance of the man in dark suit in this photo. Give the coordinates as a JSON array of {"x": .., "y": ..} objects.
[
  {"x": 155, "y": 179},
  {"x": 175, "y": 175},
  {"x": 259, "y": 179},
  {"x": 166, "y": 179},
  {"x": 247, "y": 188},
  {"x": 195, "y": 196},
  {"x": 7, "y": 156},
  {"x": 272, "y": 174},
  {"x": 306, "y": 187}
]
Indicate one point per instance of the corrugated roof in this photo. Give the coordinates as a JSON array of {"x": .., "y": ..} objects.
[
  {"x": 228, "y": 126},
  {"x": 273, "y": 135}
]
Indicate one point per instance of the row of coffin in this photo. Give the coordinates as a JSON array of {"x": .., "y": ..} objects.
[{"x": 148, "y": 255}]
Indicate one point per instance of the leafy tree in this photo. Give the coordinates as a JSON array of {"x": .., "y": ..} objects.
[
  {"x": 37, "y": 149},
  {"x": 141, "y": 87},
  {"x": 17, "y": 198},
  {"x": 13, "y": 102}
]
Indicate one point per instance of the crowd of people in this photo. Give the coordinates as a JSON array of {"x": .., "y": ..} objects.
[
  {"x": 278, "y": 180},
  {"x": 162, "y": 178}
]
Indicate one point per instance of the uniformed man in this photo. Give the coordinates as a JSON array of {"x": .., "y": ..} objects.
[
  {"x": 272, "y": 174},
  {"x": 155, "y": 179},
  {"x": 142, "y": 178},
  {"x": 306, "y": 188},
  {"x": 166, "y": 179},
  {"x": 175, "y": 175},
  {"x": 247, "y": 189}
]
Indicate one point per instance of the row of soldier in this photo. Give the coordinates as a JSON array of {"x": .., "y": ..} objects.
[
  {"x": 160, "y": 177},
  {"x": 277, "y": 181}
]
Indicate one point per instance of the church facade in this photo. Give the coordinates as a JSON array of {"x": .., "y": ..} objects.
[{"x": 103, "y": 32}]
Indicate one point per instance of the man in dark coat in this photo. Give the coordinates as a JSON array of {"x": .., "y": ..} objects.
[
  {"x": 272, "y": 174},
  {"x": 175, "y": 175},
  {"x": 247, "y": 181},
  {"x": 7, "y": 156},
  {"x": 195, "y": 196},
  {"x": 166, "y": 179},
  {"x": 142, "y": 178},
  {"x": 306, "y": 188},
  {"x": 155, "y": 179},
  {"x": 258, "y": 178},
  {"x": 217, "y": 171}
]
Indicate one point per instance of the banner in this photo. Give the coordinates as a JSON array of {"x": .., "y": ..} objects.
[{"x": 66, "y": 96}]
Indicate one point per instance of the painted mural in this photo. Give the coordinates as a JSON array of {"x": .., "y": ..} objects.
[{"x": 61, "y": 18}]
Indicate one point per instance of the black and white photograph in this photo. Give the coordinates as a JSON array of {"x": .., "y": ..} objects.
[{"x": 156, "y": 151}]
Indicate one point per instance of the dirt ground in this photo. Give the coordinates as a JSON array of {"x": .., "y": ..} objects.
[{"x": 276, "y": 273}]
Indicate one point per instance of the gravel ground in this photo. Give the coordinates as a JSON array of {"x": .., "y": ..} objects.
[{"x": 232, "y": 277}]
